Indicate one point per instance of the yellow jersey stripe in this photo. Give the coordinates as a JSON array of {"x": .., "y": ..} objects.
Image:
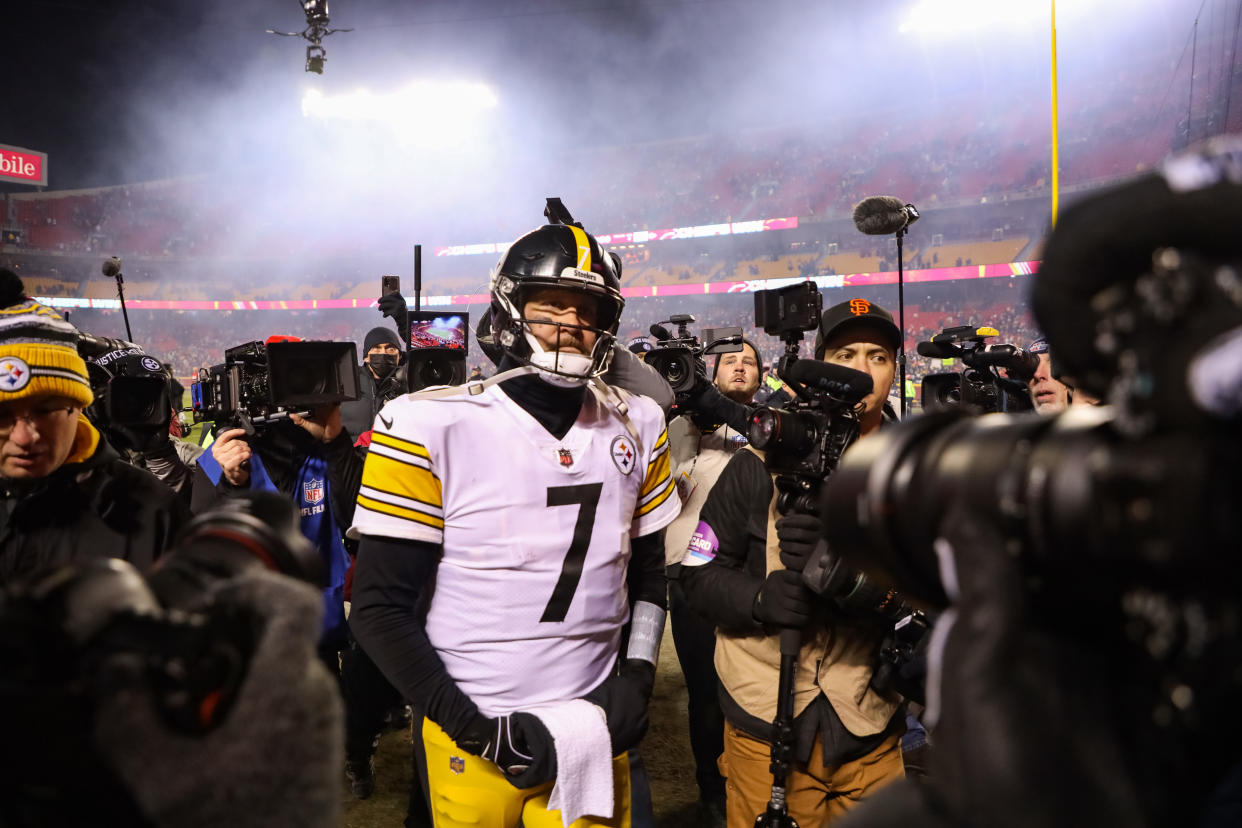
[
  {"x": 391, "y": 498},
  {"x": 584, "y": 247},
  {"x": 657, "y": 473},
  {"x": 655, "y": 502},
  {"x": 390, "y": 475},
  {"x": 398, "y": 512},
  {"x": 408, "y": 446}
]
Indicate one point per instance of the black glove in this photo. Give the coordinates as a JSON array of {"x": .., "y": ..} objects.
[
  {"x": 799, "y": 536},
  {"x": 783, "y": 601},
  {"x": 518, "y": 744},
  {"x": 623, "y": 698},
  {"x": 393, "y": 305},
  {"x": 709, "y": 407}
]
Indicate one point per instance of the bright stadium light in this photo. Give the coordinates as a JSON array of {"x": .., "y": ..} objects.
[
  {"x": 418, "y": 103},
  {"x": 954, "y": 16}
]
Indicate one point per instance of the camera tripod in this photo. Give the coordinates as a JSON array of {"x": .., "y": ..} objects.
[{"x": 777, "y": 813}]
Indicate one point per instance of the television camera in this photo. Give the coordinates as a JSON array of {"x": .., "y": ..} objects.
[
  {"x": 260, "y": 383},
  {"x": 679, "y": 359},
  {"x": 980, "y": 388},
  {"x": 133, "y": 699},
  {"x": 1098, "y": 542}
]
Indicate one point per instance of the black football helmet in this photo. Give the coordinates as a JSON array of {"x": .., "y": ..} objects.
[{"x": 556, "y": 256}]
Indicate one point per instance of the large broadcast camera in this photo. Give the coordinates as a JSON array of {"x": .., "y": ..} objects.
[
  {"x": 134, "y": 701},
  {"x": 980, "y": 387},
  {"x": 679, "y": 359},
  {"x": 1115, "y": 528},
  {"x": 260, "y": 383}
]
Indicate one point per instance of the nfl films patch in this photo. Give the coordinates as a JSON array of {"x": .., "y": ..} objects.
[
  {"x": 15, "y": 374},
  {"x": 623, "y": 453},
  {"x": 457, "y": 765},
  {"x": 703, "y": 546}
]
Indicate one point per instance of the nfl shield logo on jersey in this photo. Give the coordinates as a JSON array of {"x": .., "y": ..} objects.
[
  {"x": 312, "y": 490},
  {"x": 457, "y": 765},
  {"x": 566, "y": 457},
  {"x": 623, "y": 453}
]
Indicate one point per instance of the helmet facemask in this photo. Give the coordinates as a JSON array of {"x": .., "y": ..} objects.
[{"x": 558, "y": 366}]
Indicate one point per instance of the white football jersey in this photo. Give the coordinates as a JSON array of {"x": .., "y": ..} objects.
[{"x": 530, "y": 595}]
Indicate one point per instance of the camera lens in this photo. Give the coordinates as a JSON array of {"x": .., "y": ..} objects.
[
  {"x": 675, "y": 372},
  {"x": 777, "y": 430}
]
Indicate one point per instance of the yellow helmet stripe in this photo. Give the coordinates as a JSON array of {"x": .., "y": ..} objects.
[{"x": 584, "y": 247}]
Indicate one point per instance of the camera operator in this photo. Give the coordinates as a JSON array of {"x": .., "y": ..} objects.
[
  {"x": 65, "y": 494},
  {"x": 742, "y": 572},
  {"x": 136, "y": 410},
  {"x": 700, "y": 451},
  {"x": 1049, "y": 395},
  {"x": 382, "y": 377},
  {"x": 311, "y": 460}
]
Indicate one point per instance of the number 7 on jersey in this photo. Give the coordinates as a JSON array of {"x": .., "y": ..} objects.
[{"x": 586, "y": 497}]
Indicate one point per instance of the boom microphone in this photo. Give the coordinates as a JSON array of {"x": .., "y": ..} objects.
[
  {"x": 837, "y": 380},
  {"x": 660, "y": 332},
  {"x": 111, "y": 267},
  {"x": 938, "y": 350},
  {"x": 882, "y": 215}
]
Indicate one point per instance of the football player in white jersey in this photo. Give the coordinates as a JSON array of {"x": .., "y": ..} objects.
[{"x": 511, "y": 539}]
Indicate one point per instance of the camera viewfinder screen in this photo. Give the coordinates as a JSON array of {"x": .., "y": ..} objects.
[{"x": 447, "y": 331}]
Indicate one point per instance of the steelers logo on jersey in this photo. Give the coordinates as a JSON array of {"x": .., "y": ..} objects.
[
  {"x": 14, "y": 374},
  {"x": 623, "y": 453}
]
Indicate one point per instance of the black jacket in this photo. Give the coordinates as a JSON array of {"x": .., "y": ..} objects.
[
  {"x": 359, "y": 415},
  {"x": 99, "y": 508}
]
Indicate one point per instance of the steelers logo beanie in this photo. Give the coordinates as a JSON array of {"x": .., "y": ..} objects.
[{"x": 38, "y": 349}]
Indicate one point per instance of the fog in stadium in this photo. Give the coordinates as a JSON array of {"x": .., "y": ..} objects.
[{"x": 447, "y": 124}]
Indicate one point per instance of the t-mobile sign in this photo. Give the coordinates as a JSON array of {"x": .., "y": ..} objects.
[{"x": 23, "y": 166}]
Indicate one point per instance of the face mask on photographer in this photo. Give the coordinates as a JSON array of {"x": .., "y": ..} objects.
[{"x": 382, "y": 364}]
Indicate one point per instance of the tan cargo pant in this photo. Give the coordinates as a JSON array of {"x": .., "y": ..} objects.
[{"x": 816, "y": 795}]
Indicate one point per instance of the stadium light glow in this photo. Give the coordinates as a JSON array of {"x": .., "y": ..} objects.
[
  {"x": 415, "y": 103},
  {"x": 954, "y": 16}
]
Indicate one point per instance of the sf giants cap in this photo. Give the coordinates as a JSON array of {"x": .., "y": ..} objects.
[{"x": 856, "y": 312}]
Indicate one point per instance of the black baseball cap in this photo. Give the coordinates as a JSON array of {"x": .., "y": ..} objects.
[{"x": 853, "y": 312}]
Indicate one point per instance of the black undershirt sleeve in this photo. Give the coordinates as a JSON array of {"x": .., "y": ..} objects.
[
  {"x": 723, "y": 591},
  {"x": 344, "y": 477},
  {"x": 645, "y": 577},
  {"x": 391, "y": 579}
]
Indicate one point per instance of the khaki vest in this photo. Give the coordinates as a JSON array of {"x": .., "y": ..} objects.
[{"x": 839, "y": 665}]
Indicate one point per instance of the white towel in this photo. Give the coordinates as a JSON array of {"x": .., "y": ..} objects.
[{"x": 583, "y": 759}]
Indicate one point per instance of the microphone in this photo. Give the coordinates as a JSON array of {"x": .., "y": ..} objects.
[
  {"x": 660, "y": 332},
  {"x": 111, "y": 267},
  {"x": 837, "y": 380},
  {"x": 881, "y": 215},
  {"x": 938, "y": 350}
]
